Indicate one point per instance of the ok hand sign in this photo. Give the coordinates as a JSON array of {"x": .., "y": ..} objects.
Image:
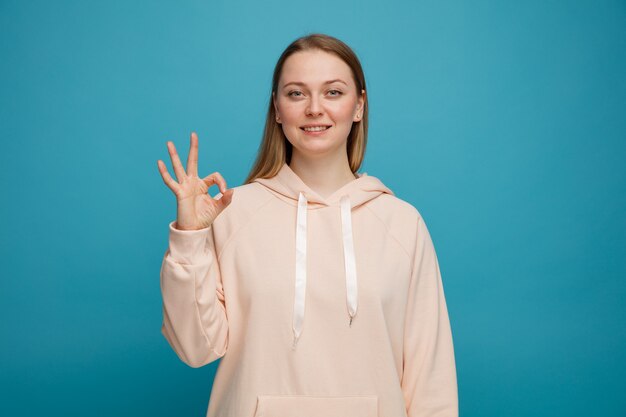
[{"x": 196, "y": 208}]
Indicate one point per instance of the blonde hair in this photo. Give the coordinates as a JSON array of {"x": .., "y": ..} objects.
[{"x": 275, "y": 149}]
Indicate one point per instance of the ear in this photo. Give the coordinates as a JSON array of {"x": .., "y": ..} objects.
[
  {"x": 275, "y": 107},
  {"x": 360, "y": 107}
]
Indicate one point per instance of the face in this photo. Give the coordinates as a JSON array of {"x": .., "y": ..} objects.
[{"x": 316, "y": 89}]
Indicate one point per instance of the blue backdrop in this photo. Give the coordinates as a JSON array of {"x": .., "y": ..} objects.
[{"x": 503, "y": 122}]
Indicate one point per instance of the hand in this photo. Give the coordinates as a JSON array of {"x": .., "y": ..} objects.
[{"x": 196, "y": 208}]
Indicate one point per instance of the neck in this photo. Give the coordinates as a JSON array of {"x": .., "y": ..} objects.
[{"x": 324, "y": 175}]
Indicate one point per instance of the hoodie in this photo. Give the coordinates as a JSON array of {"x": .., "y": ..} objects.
[{"x": 316, "y": 307}]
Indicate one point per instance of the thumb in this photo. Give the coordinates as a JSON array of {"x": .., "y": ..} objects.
[{"x": 226, "y": 199}]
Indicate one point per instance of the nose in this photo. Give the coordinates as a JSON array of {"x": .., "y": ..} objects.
[{"x": 314, "y": 108}]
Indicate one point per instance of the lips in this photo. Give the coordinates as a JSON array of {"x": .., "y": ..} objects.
[{"x": 315, "y": 128}]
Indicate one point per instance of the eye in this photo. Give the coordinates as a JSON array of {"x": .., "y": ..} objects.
[
  {"x": 338, "y": 93},
  {"x": 293, "y": 93}
]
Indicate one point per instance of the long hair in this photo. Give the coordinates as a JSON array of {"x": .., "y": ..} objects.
[{"x": 275, "y": 150}]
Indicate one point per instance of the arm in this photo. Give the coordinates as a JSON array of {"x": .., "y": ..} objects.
[
  {"x": 429, "y": 381},
  {"x": 194, "y": 314}
]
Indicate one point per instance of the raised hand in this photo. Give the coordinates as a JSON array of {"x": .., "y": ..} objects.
[{"x": 196, "y": 209}]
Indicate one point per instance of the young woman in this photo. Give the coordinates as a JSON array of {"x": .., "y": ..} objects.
[{"x": 317, "y": 287}]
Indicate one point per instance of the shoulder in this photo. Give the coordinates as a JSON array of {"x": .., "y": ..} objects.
[
  {"x": 247, "y": 200},
  {"x": 249, "y": 196},
  {"x": 401, "y": 218},
  {"x": 394, "y": 211}
]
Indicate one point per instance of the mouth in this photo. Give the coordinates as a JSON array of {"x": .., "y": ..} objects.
[{"x": 315, "y": 128}]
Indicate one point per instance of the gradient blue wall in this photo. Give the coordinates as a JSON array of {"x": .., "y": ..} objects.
[{"x": 503, "y": 122}]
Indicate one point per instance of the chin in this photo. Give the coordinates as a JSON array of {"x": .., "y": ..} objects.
[{"x": 319, "y": 148}]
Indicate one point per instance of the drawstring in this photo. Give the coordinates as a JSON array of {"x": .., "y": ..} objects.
[
  {"x": 349, "y": 262},
  {"x": 298, "y": 303},
  {"x": 348, "y": 255}
]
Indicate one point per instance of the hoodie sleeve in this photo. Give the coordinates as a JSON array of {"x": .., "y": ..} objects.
[
  {"x": 194, "y": 314},
  {"x": 429, "y": 383}
]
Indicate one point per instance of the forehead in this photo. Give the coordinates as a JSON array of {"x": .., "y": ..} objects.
[{"x": 315, "y": 67}]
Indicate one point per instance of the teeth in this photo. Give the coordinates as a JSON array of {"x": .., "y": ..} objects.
[{"x": 315, "y": 129}]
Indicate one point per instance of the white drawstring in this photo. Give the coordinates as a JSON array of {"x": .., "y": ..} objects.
[
  {"x": 348, "y": 254},
  {"x": 298, "y": 304},
  {"x": 349, "y": 262}
]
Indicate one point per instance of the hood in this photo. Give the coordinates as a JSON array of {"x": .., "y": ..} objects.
[{"x": 290, "y": 188}]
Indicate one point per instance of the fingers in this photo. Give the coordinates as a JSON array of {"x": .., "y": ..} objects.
[
  {"x": 215, "y": 178},
  {"x": 192, "y": 158},
  {"x": 225, "y": 200},
  {"x": 176, "y": 164},
  {"x": 167, "y": 179}
]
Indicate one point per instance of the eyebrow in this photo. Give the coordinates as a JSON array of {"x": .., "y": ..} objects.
[{"x": 327, "y": 82}]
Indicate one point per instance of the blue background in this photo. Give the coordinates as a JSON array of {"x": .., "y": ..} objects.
[{"x": 503, "y": 122}]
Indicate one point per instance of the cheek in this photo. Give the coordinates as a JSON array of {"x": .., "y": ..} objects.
[
  {"x": 342, "y": 111},
  {"x": 290, "y": 111},
  {"x": 345, "y": 107}
]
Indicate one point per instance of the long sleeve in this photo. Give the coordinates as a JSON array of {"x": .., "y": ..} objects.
[
  {"x": 429, "y": 382},
  {"x": 194, "y": 313}
]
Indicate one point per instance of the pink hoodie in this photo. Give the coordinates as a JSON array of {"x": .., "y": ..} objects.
[{"x": 317, "y": 307}]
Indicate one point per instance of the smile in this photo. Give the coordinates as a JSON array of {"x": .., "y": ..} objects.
[{"x": 315, "y": 128}]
